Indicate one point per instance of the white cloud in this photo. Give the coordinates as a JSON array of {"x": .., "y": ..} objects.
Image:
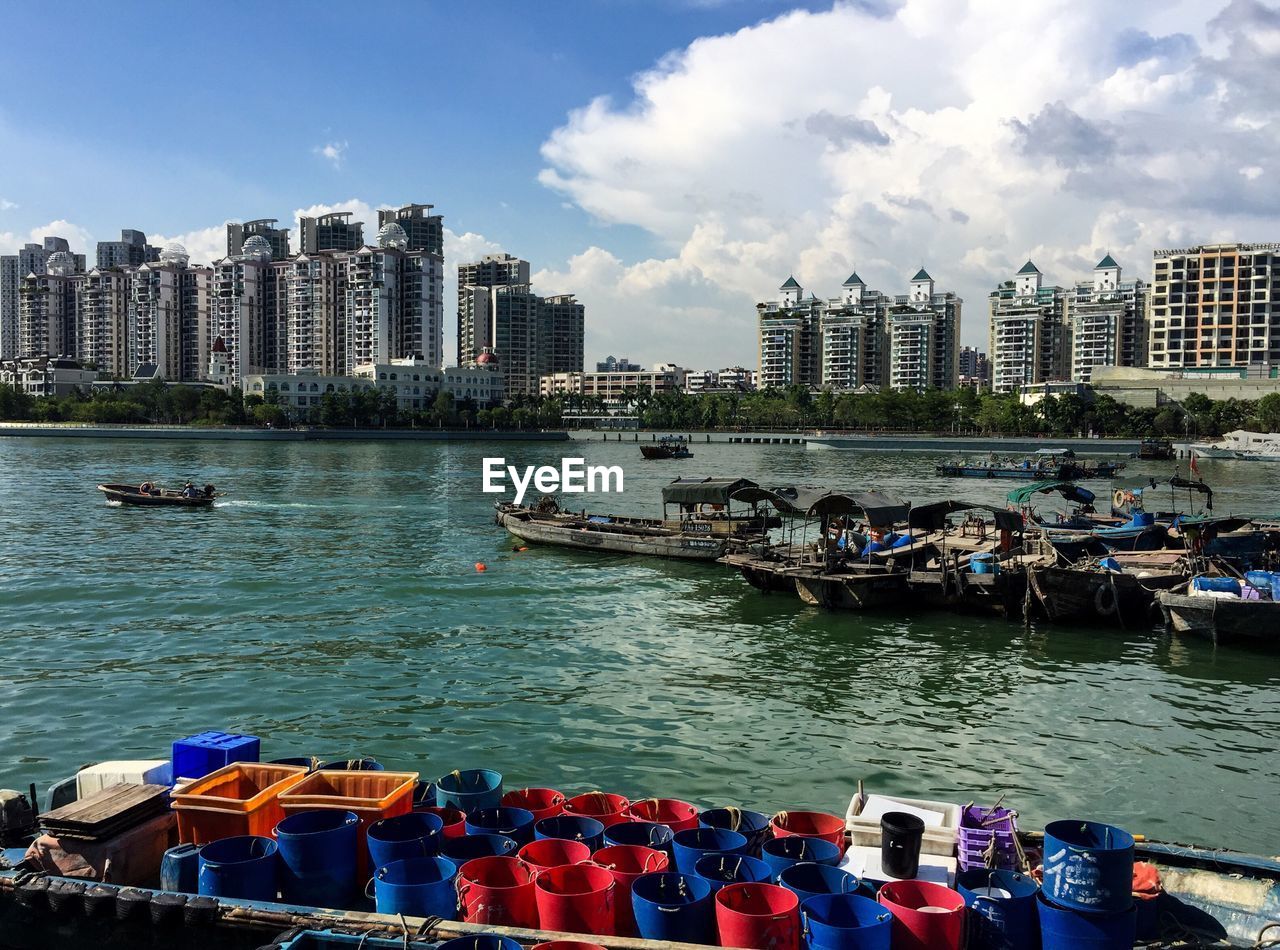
[
  {"x": 335, "y": 153},
  {"x": 964, "y": 135},
  {"x": 79, "y": 238},
  {"x": 205, "y": 245},
  {"x": 7, "y": 205}
]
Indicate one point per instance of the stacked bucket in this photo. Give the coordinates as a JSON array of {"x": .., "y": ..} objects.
[{"x": 1087, "y": 892}]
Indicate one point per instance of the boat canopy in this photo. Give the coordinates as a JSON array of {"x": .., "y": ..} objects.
[
  {"x": 704, "y": 491},
  {"x": 1068, "y": 490},
  {"x": 789, "y": 500},
  {"x": 933, "y": 516},
  {"x": 878, "y": 508}
]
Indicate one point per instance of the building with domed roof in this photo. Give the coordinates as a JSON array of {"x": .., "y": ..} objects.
[
  {"x": 238, "y": 234},
  {"x": 14, "y": 268},
  {"x": 172, "y": 323}
]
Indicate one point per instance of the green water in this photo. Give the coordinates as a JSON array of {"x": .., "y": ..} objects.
[{"x": 330, "y": 605}]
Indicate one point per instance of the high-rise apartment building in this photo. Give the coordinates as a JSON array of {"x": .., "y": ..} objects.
[
  {"x": 30, "y": 259},
  {"x": 130, "y": 251},
  {"x": 244, "y": 306},
  {"x": 790, "y": 338},
  {"x": 474, "y": 280},
  {"x": 561, "y": 333},
  {"x": 1215, "y": 305},
  {"x": 1107, "y": 318},
  {"x": 423, "y": 230},
  {"x": 312, "y": 291},
  {"x": 172, "y": 318},
  {"x": 855, "y": 349},
  {"x": 394, "y": 302},
  {"x": 618, "y": 364},
  {"x": 102, "y": 321},
  {"x": 1028, "y": 332},
  {"x": 924, "y": 337},
  {"x": 46, "y": 308},
  {"x": 330, "y": 232},
  {"x": 513, "y": 330},
  {"x": 974, "y": 368},
  {"x": 277, "y": 238}
]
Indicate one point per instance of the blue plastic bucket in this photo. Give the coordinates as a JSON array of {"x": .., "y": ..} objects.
[
  {"x": 1002, "y": 909},
  {"x": 469, "y": 847},
  {"x": 1264, "y": 580},
  {"x": 810, "y": 879},
  {"x": 846, "y": 922},
  {"x": 572, "y": 828},
  {"x": 179, "y": 869},
  {"x": 676, "y": 907},
  {"x": 243, "y": 867},
  {"x": 1088, "y": 866},
  {"x": 781, "y": 853},
  {"x": 318, "y": 857},
  {"x": 1062, "y": 928},
  {"x": 984, "y": 564},
  {"x": 647, "y": 834},
  {"x": 353, "y": 765},
  {"x": 413, "y": 835},
  {"x": 1221, "y": 585},
  {"x": 692, "y": 843},
  {"x": 515, "y": 823},
  {"x": 721, "y": 869},
  {"x": 481, "y": 942},
  {"x": 753, "y": 824},
  {"x": 470, "y": 789},
  {"x": 417, "y": 887}
]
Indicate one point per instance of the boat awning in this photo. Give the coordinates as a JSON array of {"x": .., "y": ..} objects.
[
  {"x": 704, "y": 491},
  {"x": 933, "y": 516},
  {"x": 1068, "y": 490},
  {"x": 878, "y": 508}
]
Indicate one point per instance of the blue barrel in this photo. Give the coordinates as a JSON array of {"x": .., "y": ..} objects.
[
  {"x": 984, "y": 564},
  {"x": 179, "y": 869},
  {"x": 753, "y": 824},
  {"x": 781, "y": 853},
  {"x": 480, "y": 942},
  {"x": 1221, "y": 585},
  {"x": 470, "y": 789},
  {"x": 572, "y": 828},
  {"x": 515, "y": 823},
  {"x": 469, "y": 847},
  {"x": 1002, "y": 909},
  {"x": 675, "y": 907},
  {"x": 243, "y": 867},
  {"x": 721, "y": 869},
  {"x": 318, "y": 857},
  {"x": 692, "y": 843},
  {"x": 846, "y": 922},
  {"x": 417, "y": 887},
  {"x": 809, "y": 879},
  {"x": 647, "y": 834},
  {"x": 424, "y": 794},
  {"x": 1062, "y": 928},
  {"x": 1088, "y": 866},
  {"x": 412, "y": 835},
  {"x": 353, "y": 765}
]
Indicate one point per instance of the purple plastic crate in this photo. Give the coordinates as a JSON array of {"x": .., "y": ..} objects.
[
  {"x": 979, "y": 827},
  {"x": 196, "y": 756}
]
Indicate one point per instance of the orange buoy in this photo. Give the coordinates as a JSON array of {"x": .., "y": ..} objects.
[{"x": 480, "y": 567}]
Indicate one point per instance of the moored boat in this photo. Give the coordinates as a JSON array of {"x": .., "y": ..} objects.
[
  {"x": 668, "y": 447},
  {"x": 147, "y": 495},
  {"x": 1225, "y": 609}
]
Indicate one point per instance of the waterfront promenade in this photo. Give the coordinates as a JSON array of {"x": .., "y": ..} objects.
[{"x": 256, "y": 434}]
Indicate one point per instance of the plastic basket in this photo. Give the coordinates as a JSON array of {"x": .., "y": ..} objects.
[
  {"x": 979, "y": 828},
  {"x": 240, "y": 799}
]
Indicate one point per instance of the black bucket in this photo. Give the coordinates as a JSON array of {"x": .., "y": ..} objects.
[{"x": 900, "y": 838}]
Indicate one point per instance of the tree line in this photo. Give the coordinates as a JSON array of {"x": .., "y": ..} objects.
[{"x": 937, "y": 411}]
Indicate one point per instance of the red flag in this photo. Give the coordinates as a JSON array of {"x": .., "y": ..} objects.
[{"x": 1195, "y": 469}]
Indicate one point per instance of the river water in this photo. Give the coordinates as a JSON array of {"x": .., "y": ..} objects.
[{"x": 330, "y": 604}]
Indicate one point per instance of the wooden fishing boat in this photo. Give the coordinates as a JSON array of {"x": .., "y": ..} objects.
[
  {"x": 1221, "y": 619},
  {"x": 157, "y": 497},
  {"x": 704, "y": 529},
  {"x": 1058, "y": 464},
  {"x": 1155, "y": 450},
  {"x": 1091, "y": 592},
  {"x": 852, "y": 586},
  {"x": 668, "y": 447}
]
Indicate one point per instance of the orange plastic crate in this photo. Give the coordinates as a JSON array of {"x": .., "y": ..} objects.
[
  {"x": 371, "y": 795},
  {"x": 240, "y": 799}
]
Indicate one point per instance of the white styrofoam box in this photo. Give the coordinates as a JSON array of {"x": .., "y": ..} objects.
[
  {"x": 864, "y": 862},
  {"x": 94, "y": 778},
  {"x": 939, "y": 836}
]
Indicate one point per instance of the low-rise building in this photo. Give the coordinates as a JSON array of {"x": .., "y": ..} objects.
[
  {"x": 615, "y": 388},
  {"x": 46, "y": 375},
  {"x": 731, "y": 379},
  {"x": 1145, "y": 388}
]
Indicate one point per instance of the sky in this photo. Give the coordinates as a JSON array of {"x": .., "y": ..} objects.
[{"x": 669, "y": 161}]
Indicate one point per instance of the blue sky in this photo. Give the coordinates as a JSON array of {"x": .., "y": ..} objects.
[{"x": 670, "y": 162}]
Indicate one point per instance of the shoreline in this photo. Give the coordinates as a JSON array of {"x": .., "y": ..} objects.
[{"x": 248, "y": 434}]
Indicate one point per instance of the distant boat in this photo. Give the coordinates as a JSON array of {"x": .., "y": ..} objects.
[
  {"x": 1241, "y": 445},
  {"x": 157, "y": 497},
  {"x": 1155, "y": 450},
  {"x": 1058, "y": 464},
  {"x": 668, "y": 447}
]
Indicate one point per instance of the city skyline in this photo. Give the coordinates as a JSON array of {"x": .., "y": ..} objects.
[{"x": 653, "y": 168}]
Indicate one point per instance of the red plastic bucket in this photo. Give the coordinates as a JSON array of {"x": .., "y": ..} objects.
[
  {"x": 925, "y": 916},
  {"x": 604, "y": 807},
  {"x": 759, "y": 916},
  {"x": 497, "y": 890},
  {"x": 455, "y": 822},
  {"x": 576, "y": 899},
  {"x": 675, "y": 814},
  {"x": 553, "y": 853},
  {"x": 543, "y": 802},
  {"x": 626, "y": 862},
  {"x": 809, "y": 824}
]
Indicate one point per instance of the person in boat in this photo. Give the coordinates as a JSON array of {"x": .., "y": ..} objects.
[
  {"x": 189, "y": 491},
  {"x": 146, "y": 488},
  {"x": 208, "y": 491}
]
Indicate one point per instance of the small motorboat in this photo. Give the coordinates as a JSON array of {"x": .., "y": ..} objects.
[
  {"x": 148, "y": 495},
  {"x": 668, "y": 447}
]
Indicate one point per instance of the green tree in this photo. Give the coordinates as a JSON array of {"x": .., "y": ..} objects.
[{"x": 1267, "y": 411}]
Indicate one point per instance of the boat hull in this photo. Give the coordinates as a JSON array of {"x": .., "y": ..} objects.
[
  {"x": 129, "y": 495},
  {"x": 856, "y": 591},
  {"x": 598, "y": 538},
  {"x": 1221, "y": 620},
  {"x": 1072, "y": 594}
]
